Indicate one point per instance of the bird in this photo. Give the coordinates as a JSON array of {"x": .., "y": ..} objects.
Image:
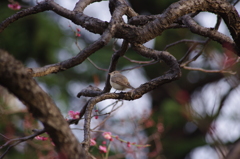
[{"x": 119, "y": 81}]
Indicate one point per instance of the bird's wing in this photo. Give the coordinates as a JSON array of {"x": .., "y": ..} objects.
[{"x": 120, "y": 80}]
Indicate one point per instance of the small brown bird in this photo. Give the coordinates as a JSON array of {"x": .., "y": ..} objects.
[{"x": 118, "y": 81}]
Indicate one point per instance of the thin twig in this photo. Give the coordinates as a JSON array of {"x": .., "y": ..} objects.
[
  {"x": 139, "y": 62},
  {"x": 114, "y": 103},
  {"x": 96, "y": 65},
  {"x": 139, "y": 66},
  {"x": 36, "y": 133},
  {"x": 204, "y": 45},
  {"x": 114, "y": 109},
  {"x": 183, "y": 41},
  {"x": 4, "y": 136},
  {"x": 187, "y": 53},
  {"x": 9, "y": 147},
  {"x": 198, "y": 54},
  {"x": 209, "y": 71},
  {"x": 20, "y": 140},
  {"x": 79, "y": 48}
]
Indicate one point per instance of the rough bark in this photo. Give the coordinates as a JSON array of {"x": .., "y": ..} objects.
[{"x": 14, "y": 76}]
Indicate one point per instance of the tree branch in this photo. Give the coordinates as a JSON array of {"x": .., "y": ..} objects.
[{"x": 15, "y": 78}]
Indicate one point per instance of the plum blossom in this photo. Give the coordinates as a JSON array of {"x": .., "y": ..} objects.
[
  {"x": 78, "y": 35},
  {"x": 74, "y": 115},
  {"x": 14, "y": 5},
  {"x": 102, "y": 149},
  {"x": 92, "y": 142},
  {"x": 107, "y": 135},
  {"x": 42, "y": 138},
  {"x": 128, "y": 144},
  {"x": 104, "y": 142}
]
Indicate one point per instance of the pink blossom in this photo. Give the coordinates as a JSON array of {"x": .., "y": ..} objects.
[
  {"x": 78, "y": 35},
  {"x": 74, "y": 115},
  {"x": 14, "y": 6},
  {"x": 104, "y": 142},
  {"x": 96, "y": 117},
  {"x": 42, "y": 138},
  {"x": 102, "y": 149},
  {"x": 128, "y": 144},
  {"x": 92, "y": 142},
  {"x": 107, "y": 135},
  {"x": 78, "y": 30}
]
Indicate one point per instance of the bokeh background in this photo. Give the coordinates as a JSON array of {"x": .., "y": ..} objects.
[{"x": 194, "y": 117}]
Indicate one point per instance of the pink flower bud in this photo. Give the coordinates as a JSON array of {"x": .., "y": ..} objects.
[
  {"x": 102, "y": 149},
  {"x": 107, "y": 135},
  {"x": 42, "y": 138},
  {"x": 74, "y": 115},
  {"x": 14, "y": 6},
  {"x": 92, "y": 142},
  {"x": 104, "y": 142}
]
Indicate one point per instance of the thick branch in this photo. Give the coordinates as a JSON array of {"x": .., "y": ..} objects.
[
  {"x": 115, "y": 57},
  {"x": 142, "y": 34},
  {"x": 102, "y": 41},
  {"x": 139, "y": 34},
  {"x": 76, "y": 60},
  {"x": 92, "y": 24},
  {"x": 173, "y": 74},
  {"x": 209, "y": 32},
  {"x": 15, "y": 78}
]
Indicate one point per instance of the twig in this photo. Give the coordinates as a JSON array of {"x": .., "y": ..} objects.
[
  {"x": 139, "y": 66},
  {"x": 4, "y": 136},
  {"x": 190, "y": 21},
  {"x": 108, "y": 116},
  {"x": 9, "y": 147},
  {"x": 114, "y": 103},
  {"x": 212, "y": 33},
  {"x": 183, "y": 41},
  {"x": 188, "y": 53},
  {"x": 204, "y": 43},
  {"x": 209, "y": 71},
  {"x": 36, "y": 133},
  {"x": 198, "y": 54},
  {"x": 96, "y": 65},
  {"x": 139, "y": 62},
  {"x": 79, "y": 48},
  {"x": 16, "y": 141}
]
